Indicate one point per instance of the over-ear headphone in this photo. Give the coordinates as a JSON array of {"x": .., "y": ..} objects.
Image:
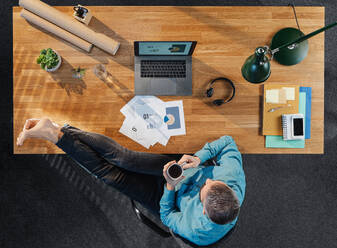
[{"x": 210, "y": 91}]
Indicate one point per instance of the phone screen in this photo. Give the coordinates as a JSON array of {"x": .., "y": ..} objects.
[{"x": 298, "y": 126}]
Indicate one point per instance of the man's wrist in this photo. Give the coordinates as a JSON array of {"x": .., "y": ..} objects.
[
  {"x": 198, "y": 159},
  {"x": 169, "y": 186}
]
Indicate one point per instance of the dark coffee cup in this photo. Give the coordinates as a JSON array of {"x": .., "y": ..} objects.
[{"x": 175, "y": 171}]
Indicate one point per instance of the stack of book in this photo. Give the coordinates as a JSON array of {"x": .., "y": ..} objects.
[{"x": 285, "y": 99}]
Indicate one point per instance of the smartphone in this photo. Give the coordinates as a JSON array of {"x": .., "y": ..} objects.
[{"x": 297, "y": 130}]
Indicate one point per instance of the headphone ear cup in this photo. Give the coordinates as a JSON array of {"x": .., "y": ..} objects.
[
  {"x": 218, "y": 102},
  {"x": 209, "y": 92}
]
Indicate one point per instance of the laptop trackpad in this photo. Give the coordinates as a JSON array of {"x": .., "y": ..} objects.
[{"x": 163, "y": 87}]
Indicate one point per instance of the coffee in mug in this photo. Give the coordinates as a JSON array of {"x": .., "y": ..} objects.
[{"x": 175, "y": 171}]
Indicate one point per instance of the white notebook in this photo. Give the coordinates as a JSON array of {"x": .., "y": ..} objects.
[{"x": 293, "y": 126}]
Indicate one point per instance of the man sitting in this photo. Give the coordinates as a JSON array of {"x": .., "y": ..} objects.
[{"x": 202, "y": 206}]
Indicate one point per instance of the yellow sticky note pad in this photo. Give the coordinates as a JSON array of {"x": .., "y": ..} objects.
[
  {"x": 290, "y": 93},
  {"x": 283, "y": 96},
  {"x": 272, "y": 96}
]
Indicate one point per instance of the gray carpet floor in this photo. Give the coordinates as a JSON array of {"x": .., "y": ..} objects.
[{"x": 47, "y": 201}]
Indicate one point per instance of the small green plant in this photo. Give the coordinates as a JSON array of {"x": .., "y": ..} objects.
[
  {"x": 78, "y": 72},
  {"x": 48, "y": 59}
]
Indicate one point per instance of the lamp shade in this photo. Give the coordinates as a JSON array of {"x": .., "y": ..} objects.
[
  {"x": 289, "y": 46},
  {"x": 256, "y": 68},
  {"x": 293, "y": 54}
]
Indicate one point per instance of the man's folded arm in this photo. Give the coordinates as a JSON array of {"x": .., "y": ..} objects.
[
  {"x": 212, "y": 149},
  {"x": 171, "y": 217},
  {"x": 229, "y": 154},
  {"x": 229, "y": 158}
]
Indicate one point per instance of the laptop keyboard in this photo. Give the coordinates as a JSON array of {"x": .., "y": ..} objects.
[{"x": 163, "y": 68}]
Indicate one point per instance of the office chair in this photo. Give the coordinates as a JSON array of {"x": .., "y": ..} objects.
[
  {"x": 182, "y": 242},
  {"x": 151, "y": 224}
]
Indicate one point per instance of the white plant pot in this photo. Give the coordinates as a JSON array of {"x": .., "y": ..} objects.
[{"x": 58, "y": 64}]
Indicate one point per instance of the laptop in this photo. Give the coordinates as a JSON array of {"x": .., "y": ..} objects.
[{"x": 163, "y": 67}]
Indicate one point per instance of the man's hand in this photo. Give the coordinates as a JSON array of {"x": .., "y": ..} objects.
[
  {"x": 30, "y": 123},
  {"x": 191, "y": 161},
  {"x": 170, "y": 183}
]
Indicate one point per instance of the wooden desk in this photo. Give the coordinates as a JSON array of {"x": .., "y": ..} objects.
[{"x": 226, "y": 37}]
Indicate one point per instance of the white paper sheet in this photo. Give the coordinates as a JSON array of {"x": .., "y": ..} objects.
[
  {"x": 175, "y": 113},
  {"x": 147, "y": 113},
  {"x": 149, "y": 120},
  {"x": 134, "y": 129}
]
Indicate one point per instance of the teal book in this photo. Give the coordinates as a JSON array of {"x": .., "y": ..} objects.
[
  {"x": 307, "y": 90},
  {"x": 276, "y": 141}
]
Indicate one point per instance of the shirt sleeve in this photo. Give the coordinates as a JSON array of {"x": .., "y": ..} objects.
[
  {"x": 171, "y": 217},
  {"x": 229, "y": 160},
  {"x": 230, "y": 167},
  {"x": 210, "y": 150},
  {"x": 229, "y": 154}
]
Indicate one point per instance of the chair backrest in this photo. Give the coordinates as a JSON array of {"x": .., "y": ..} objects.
[
  {"x": 184, "y": 243},
  {"x": 148, "y": 222}
]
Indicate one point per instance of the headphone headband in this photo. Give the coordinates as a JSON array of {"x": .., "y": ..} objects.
[{"x": 210, "y": 91}]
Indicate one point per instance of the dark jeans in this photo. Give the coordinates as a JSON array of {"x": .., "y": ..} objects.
[{"x": 136, "y": 174}]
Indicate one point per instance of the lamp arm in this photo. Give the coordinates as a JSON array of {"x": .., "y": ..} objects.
[{"x": 303, "y": 38}]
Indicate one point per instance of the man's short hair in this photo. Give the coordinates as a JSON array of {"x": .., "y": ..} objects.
[{"x": 221, "y": 204}]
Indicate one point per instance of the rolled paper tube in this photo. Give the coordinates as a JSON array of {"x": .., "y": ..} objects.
[
  {"x": 71, "y": 25},
  {"x": 52, "y": 28}
]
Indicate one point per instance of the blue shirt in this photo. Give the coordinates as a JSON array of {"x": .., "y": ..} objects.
[{"x": 181, "y": 209}]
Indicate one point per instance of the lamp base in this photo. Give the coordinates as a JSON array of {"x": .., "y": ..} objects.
[{"x": 291, "y": 55}]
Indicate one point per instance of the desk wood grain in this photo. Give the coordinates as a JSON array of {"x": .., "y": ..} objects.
[{"x": 226, "y": 37}]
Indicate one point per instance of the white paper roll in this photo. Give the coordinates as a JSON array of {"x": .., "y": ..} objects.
[
  {"x": 50, "y": 27},
  {"x": 68, "y": 23}
]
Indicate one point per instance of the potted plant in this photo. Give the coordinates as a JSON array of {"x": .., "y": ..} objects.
[
  {"x": 49, "y": 60},
  {"x": 78, "y": 72}
]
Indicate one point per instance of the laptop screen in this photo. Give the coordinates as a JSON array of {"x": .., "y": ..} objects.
[{"x": 165, "y": 48}]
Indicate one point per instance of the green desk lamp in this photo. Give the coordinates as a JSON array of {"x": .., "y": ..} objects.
[{"x": 289, "y": 46}]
